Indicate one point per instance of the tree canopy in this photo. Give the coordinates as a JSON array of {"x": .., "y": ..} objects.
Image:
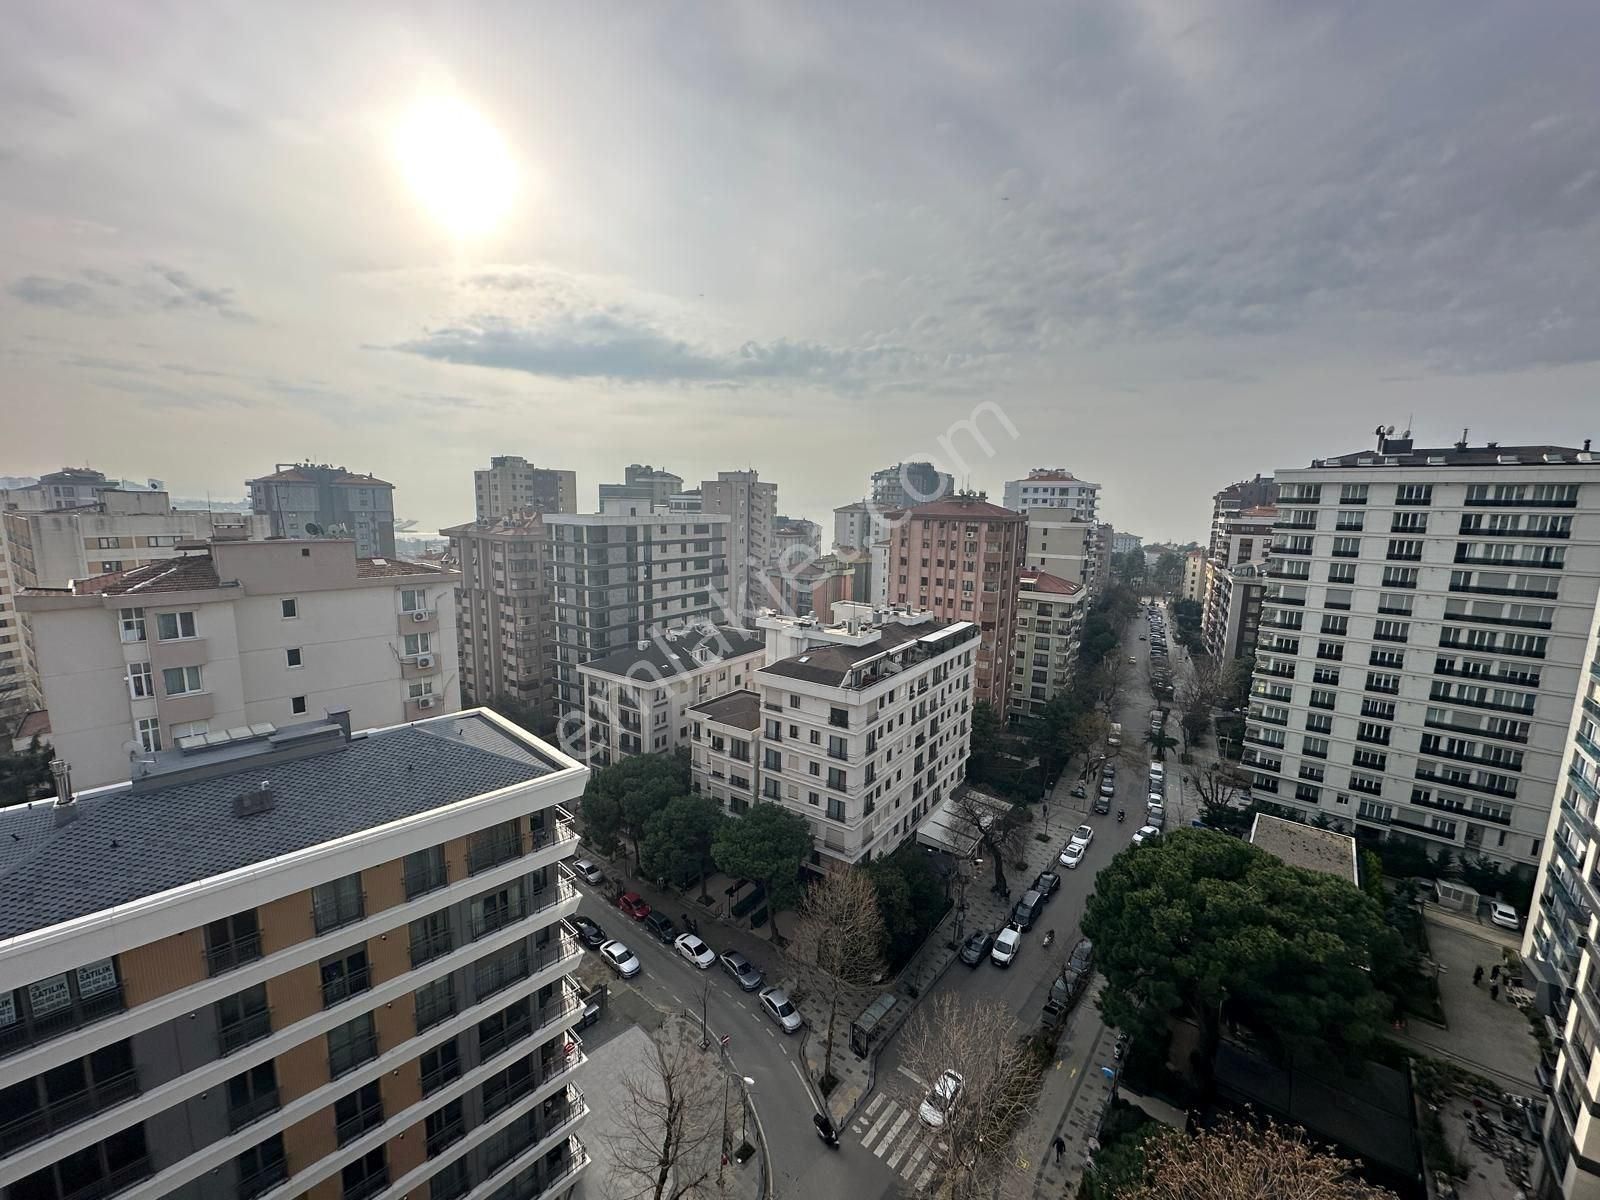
[
  {"x": 768, "y": 844},
  {"x": 1205, "y": 926},
  {"x": 621, "y": 798},
  {"x": 677, "y": 840},
  {"x": 1235, "y": 1161},
  {"x": 23, "y": 772}
]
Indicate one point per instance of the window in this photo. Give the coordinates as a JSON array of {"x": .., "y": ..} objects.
[
  {"x": 1391, "y": 631},
  {"x": 261, "y": 1167},
  {"x": 1353, "y": 493},
  {"x": 232, "y": 942},
  {"x": 1321, "y": 699},
  {"x": 1395, "y": 603},
  {"x": 356, "y": 1112},
  {"x": 174, "y": 626},
  {"x": 291, "y": 608},
  {"x": 1347, "y": 547},
  {"x": 431, "y": 936},
  {"x": 495, "y": 910},
  {"x": 836, "y": 810},
  {"x": 417, "y": 689},
  {"x": 132, "y": 621},
  {"x": 836, "y": 779},
  {"x": 439, "y": 1066},
  {"x": 345, "y": 976},
  {"x": 425, "y": 871},
  {"x": 243, "y": 1018},
  {"x": 413, "y": 600},
  {"x": 1405, "y": 549},
  {"x": 140, "y": 685},
  {"x": 839, "y": 718},
  {"x": 297, "y": 705},
  {"x": 148, "y": 734},
  {"x": 435, "y": 1001},
  {"x": 445, "y": 1127},
  {"x": 1350, "y": 521},
  {"x": 838, "y": 747},
  {"x": 252, "y": 1095},
  {"x": 1316, "y": 747},
  {"x": 367, "y": 1176},
  {"x": 1414, "y": 493},
  {"x": 1405, "y": 577},
  {"x": 1341, "y": 572},
  {"x": 292, "y": 657},
  {"x": 110, "y": 543},
  {"x": 337, "y": 903},
  {"x": 111, "y": 565},
  {"x": 351, "y": 1044},
  {"x": 418, "y": 643}
]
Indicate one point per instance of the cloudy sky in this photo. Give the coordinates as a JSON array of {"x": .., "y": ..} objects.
[{"x": 1174, "y": 245}]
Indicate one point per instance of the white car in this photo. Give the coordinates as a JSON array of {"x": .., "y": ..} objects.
[
  {"x": 587, "y": 871},
  {"x": 696, "y": 951},
  {"x": 1005, "y": 947},
  {"x": 1156, "y": 815},
  {"x": 1072, "y": 855},
  {"x": 776, "y": 1004},
  {"x": 620, "y": 959},
  {"x": 1145, "y": 834},
  {"x": 1158, "y": 770},
  {"x": 941, "y": 1098},
  {"x": 1082, "y": 835},
  {"x": 1503, "y": 915}
]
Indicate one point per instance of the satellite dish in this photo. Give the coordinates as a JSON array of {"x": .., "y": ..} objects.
[
  {"x": 313, "y": 529},
  {"x": 1389, "y": 432}
]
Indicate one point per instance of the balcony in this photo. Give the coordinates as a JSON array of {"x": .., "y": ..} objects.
[
  {"x": 1542, "y": 563},
  {"x": 486, "y": 853},
  {"x": 431, "y": 946},
  {"x": 347, "y": 1057},
  {"x": 60, "y": 1114},
  {"x": 252, "y": 1110},
  {"x": 226, "y": 956},
  {"x": 110, "y": 1184},
  {"x": 252, "y": 1027},
  {"x": 1526, "y": 593},
  {"x": 427, "y": 878},
  {"x": 339, "y": 988},
  {"x": 370, "y": 1186},
  {"x": 445, "y": 1135},
  {"x": 264, "y": 1180},
  {"x": 432, "y": 1012},
  {"x": 359, "y": 1122}
]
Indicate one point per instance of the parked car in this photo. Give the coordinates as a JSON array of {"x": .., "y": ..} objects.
[
  {"x": 589, "y": 932},
  {"x": 587, "y": 871},
  {"x": 620, "y": 959},
  {"x": 694, "y": 950},
  {"x": 1108, "y": 788},
  {"x": 941, "y": 1098},
  {"x": 661, "y": 927},
  {"x": 1072, "y": 855},
  {"x": 744, "y": 972},
  {"x": 1083, "y": 835},
  {"x": 1157, "y": 767},
  {"x": 1027, "y": 910},
  {"x": 1145, "y": 834},
  {"x": 1503, "y": 915},
  {"x": 1102, "y": 804},
  {"x": 1156, "y": 814},
  {"x": 1082, "y": 958},
  {"x": 1006, "y": 945},
  {"x": 1065, "y": 990},
  {"x": 1046, "y": 883},
  {"x": 1079, "y": 790},
  {"x": 776, "y": 1004},
  {"x": 633, "y": 904},
  {"x": 976, "y": 948}
]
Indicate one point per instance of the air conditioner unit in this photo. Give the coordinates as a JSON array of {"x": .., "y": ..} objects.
[
  {"x": 421, "y": 615},
  {"x": 425, "y": 702},
  {"x": 424, "y": 660}
]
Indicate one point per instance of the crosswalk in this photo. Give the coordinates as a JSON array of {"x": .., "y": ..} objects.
[{"x": 891, "y": 1130}]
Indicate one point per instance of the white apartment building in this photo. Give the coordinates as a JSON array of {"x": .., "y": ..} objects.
[
  {"x": 244, "y": 634},
  {"x": 859, "y": 525},
  {"x": 1056, "y": 488},
  {"x": 511, "y": 487},
  {"x": 1050, "y": 615},
  {"x": 1241, "y": 542},
  {"x": 751, "y": 508},
  {"x": 1061, "y": 545},
  {"x": 636, "y": 700},
  {"x": 1422, "y": 639},
  {"x": 908, "y": 484},
  {"x": 620, "y": 575},
  {"x": 865, "y": 727},
  {"x": 298, "y": 962},
  {"x": 1194, "y": 575}
]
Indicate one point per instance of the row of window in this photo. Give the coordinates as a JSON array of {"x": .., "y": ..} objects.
[{"x": 1535, "y": 494}]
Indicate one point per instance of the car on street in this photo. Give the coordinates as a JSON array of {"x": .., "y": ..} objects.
[
  {"x": 1046, "y": 883},
  {"x": 1156, "y": 814},
  {"x": 1082, "y": 956},
  {"x": 1102, "y": 804},
  {"x": 1065, "y": 990},
  {"x": 587, "y": 871},
  {"x": 1079, "y": 790},
  {"x": 661, "y": 927},
  {"x": 1157, "y": 767},
  {"x": 776, "y": 1004},
  {"x": 1145, "y": 834},
  {"x": 1082, "y": 835},
  {"x": 976, "y": 948},
  {"x": 692, "y": 949},
  {"x": 744, "y": 972},
  {"x": 1108, "y": 787},
  {"x": 1072, "y": 855},
  {"x": 633, "y": 904},
  {"x": 941, "y": 1098},
  {"x": 620, "y": 959},
  {"x": 1027, "y": 909},
  {"x": 1503, "y": 915},
  {"x": 1006, "y": 945},
  {"x": 589, "y": 932}
]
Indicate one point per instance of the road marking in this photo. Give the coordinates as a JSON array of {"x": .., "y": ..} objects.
[
  {"x": 927, "y": 1174},
  {"x": 913, "y": 1162},
  {"x": 894, "y": 1132},
  {"x": 877, "y": 1102},
  {"x": 913, "y": 1076},
  {"x": 800, "y": 1077},
  {"x": 910, "y": 1144},
  {"x": 872, "y": 1134}
]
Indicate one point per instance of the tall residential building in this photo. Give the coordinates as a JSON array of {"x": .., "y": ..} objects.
[
  {"x": 642, "y": 483},
  {"x": 1050, "y": 614},
  {"x": 796, "y": 536},
  {"x": 308, "y": 500},
  {"x": 1104, "y": 542},
  {"x": 1558, "y": 950},
  {"x": 863, "y": 727},
  {"x": 1422, "y": 640},
  {"x": 859, "y": 526},
  {"x": 18, "y": 692},
  {"x": 637, "y": 699},
  {"x": 1061, "y": 545},
  {"x": 69, "y": 487},
  {"x": 1054, "y": 488},
  {"x": 958, "y": 559},
  {"x": 1126, "y": 543},
  {"x": 909, "y": 484},
  {"x": 1193, "y": 586},
  {"x": 814, "y": 585},
  {"x": 513, "y": 487},
  {"x": 750, "y": 507},
  {"x": 505, "y": 622},
  {"x": 1235, "y": 579},
  {"x": 296, "y": 962},
  {"x": 246, "y": 633},
  {"x": 619, "y": 576}
]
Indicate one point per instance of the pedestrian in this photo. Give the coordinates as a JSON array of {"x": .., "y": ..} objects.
[
  {"x": 1477, "y": 976},
  {"x": 1494, "y": 972},
  {"x": 1060, "y": 1148},
  {"x": 1494, "y": 991}
]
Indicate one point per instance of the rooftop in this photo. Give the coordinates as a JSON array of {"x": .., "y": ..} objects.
[
  {"x": 36, "y": 724},
  {"x": 1306, "y": 846},
  {"x": 1043, "y": 581},
  {"x": 1401, "y": 452},
  {"x": 741, "y": 709},
  {"x": 1054, "y": 475},
  {"x": 969, "y": 508},
  {"x": 198, "y": 573},
  {"x": 832, "y": 662},
  {"x": 308, "y": 473},
  {"x": 678, "y": 652},
  {"x": 136, "y": 840}
]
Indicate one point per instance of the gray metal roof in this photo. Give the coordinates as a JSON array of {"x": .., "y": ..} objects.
[
  {"x": 125, "y": 845},
  {"x": 673, "y": 653}
]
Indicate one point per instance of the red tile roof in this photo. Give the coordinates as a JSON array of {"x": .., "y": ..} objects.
[
  {"x": 35, "y": 725},
  {"x": 191, "y": 572},
  {"x": 373, "y": 568},
  {"x": 968, "y": 510},
  {"x": 1043, "y": 581}
]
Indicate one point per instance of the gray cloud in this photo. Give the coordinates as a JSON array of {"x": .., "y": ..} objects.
[
  {"x": 67, "y": 294},
  {"x": 99, "y": 292}
]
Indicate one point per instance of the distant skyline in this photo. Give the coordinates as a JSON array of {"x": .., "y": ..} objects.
[{"x": 1176, "y": 243}]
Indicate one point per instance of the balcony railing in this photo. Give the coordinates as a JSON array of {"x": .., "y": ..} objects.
[
  {"x": 431, "y": 946},
  {"x": 434, "y": 1011},
  {"x": 370, "y": 1186},
  {"x": 359, "y": 1122},
  {"x": 119, "y": 1180},
  {"x": 486, "y": 853},
  {"x": 352, "y": 1054},
  {"x": 339, "y": 988},
  {"x": 251, "y": 1027},
  {"x": 33, "y": 1030},
  {"x": 227, "y": 955},
  {"x": 40, "y": 1123},
  {"x": 419, "y": 881},
  {"x": 448, "y": 1134},
  {"x": 263, "y": 1180},
  {"x": 252, "y": 1110}
]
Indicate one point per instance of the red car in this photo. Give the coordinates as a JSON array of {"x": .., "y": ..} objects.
[{"x": 633, "y": 904}]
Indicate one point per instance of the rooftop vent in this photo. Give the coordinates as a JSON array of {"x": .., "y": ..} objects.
[
  {"x": 1509, "y": 459},
  {"x": 258, "y": 799},
  {"x": 1436, "y": 460},
  {"x": 1366, "y": 460},
  {"x": 1585, "y": 456},
  {"x": 1555, "y": 458}
]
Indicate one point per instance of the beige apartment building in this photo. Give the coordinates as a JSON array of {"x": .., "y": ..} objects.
[
  {"x": 512, "y": 487},
  {"x": 505, "y": 623},
  {"x": 237, "y": 635},
  {"x": 298, "y": 962},
  {"x": 751, "y": 508},
  {"x": 1050, "y": 615}
]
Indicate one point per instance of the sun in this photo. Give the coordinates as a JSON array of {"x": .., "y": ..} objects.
[{"x": 457, "y": 165}]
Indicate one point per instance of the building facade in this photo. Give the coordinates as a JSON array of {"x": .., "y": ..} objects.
[
  {"x": 751, "y": 507},
  {"x": 354, "y": 980},
  {"x": 636, "y": 700},
  {"x": 513, "y": 487},
  {"x": 958, "y": 559},
  {"x": 642, "y": 482},
  {"x": 307, "y": 500},
  {"x": 505, "y": 623},
  {"x": 1235, "y": 579},
  {"x": 1126, "y": 543},
  {"x": 247, "y": 633},
  {"x": 795, "y": 536},
  {"x": 1194, "y": 575},
  {"x": 1054, "y": 488},
  {"x": 1059, "y": 544},
  {"x": 909, "y": 484},
  {"x": 620, "y": 576},
  {"x": 1422, "y": 639},
  {"x": 1050, "y": 613}
]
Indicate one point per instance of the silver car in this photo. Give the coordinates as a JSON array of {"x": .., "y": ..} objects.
[
  {"x": 776, "y": 1004},
  {"x": 745, "y": 973}
]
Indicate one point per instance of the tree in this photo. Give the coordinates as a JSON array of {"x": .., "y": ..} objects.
[
  {"x": 24, "y": 773},
  {"x": 911, "y": 898},
  {"x": 1236, "y": 1161},
  {"x": 841, "y": 933},
  {"x": 985, "y": 738},
  {"x": 678, "y": 838},
  {"x": 1211, "y": 928},
  {"x": 767, "y": 844},
  {"x": 670, "y": 1136},
  {"x": 1000, "y": 1082},
  {"x": 1236, "y": 680},
  {"x": 620, "y": 799},
  {"x": 1219, "y": 786},
  {"x": 1159, "y": 743},
  {"x": 1108, "y": 681},
  {"x": 999, "y": 833}
]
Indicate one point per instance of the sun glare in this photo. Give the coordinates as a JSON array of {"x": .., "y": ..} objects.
[{"x": 457, "y": 165}]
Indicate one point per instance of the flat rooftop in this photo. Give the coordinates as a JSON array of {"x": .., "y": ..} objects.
[
  {"x": 131, "y": 841},
  {"x": 677, "y": 652},
  {"x": 740, "y": 709},
  {"x": 1306, "y": 846}
]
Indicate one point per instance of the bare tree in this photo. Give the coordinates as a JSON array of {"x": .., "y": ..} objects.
[
  {"x": 1235, "y": 1161},
  {"x": 671, "y": 1134},
  {"x": 1219, "y": 785},
  {"x": 1109, "y": 680},
  {"x": 1000, "y": 833},
  {"x": 840, "y": 932},
  {"x": 972, "y": 1155}
]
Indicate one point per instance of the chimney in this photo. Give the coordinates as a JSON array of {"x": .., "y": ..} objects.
[
  {"x": 65, "y": 809},
  {"x": 1586, "y": 443},
  {"x": 341, "y": 718}
]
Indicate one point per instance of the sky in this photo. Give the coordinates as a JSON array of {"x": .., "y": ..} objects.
[{"x": 1163, "y": 245}]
